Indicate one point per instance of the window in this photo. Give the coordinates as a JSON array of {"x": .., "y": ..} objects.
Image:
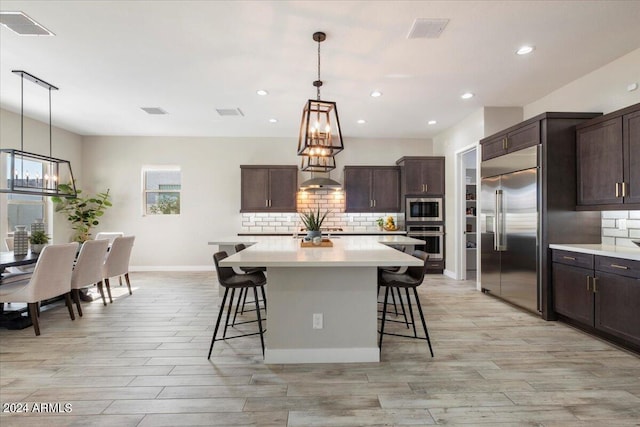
[
  {"x": 162, "y": 186},
  {"x": 23, "y": 209}
]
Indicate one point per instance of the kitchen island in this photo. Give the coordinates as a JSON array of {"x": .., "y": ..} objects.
[{"x": 322, "y": 301}]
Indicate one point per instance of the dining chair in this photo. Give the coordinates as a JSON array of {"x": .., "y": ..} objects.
[
  {"x": 229, "y": 279},
  {"x": 117, "y": 262},
  {"x": 51, "y": 277},
  {"x": 413, "y": 278},
  {"x": 88, "y": 269},
  {"x": 109, "y": 235}
]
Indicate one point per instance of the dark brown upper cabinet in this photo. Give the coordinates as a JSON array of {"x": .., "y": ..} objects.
[
  {"x": 524, "y": 136},
  {"x": 422, "y": 175},
  {"x": 372, "y": 188},
  {"x": 608, "y": 153},
  {"x": 268, "y": 188}
]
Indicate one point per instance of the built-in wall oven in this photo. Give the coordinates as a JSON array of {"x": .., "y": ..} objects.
[
  {"x": 424, "y": 209},
  {"x": 433, "y": 237}
]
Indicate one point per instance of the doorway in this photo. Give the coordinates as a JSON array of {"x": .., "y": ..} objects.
[{"x": 467, "y": 219}]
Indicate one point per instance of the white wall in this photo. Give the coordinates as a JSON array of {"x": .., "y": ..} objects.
[
  {"x": 210, "y": 183},
  {"x": 603, "y": 90},
  {"x": 65, "y": 145}
]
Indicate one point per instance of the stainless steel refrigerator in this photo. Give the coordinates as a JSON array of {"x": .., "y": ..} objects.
[{"x": 510, "y": 228}]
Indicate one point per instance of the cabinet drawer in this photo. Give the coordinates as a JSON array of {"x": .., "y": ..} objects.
[
  {"x": 524, "y": 137},
  {"x": 622, "y": 267},
  {"x": 575, "y": 259}
]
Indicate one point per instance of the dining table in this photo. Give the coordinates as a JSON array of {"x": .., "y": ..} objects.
[
  {"x": 13, "y": 319},
  {"x": 10, "y": 259}
]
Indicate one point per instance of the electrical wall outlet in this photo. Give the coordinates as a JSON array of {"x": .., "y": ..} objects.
[
  {"x": 622, "y": 224},
  {"x": 317, "y": 320}
]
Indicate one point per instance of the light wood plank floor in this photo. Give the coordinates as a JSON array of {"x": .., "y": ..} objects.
[{"x": 141, "y": 361}]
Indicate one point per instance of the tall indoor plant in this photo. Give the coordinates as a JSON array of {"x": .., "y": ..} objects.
[{"x": 82, "y": 212}]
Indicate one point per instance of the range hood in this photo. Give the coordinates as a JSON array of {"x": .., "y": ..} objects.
[{"x": 320, "y": 183}]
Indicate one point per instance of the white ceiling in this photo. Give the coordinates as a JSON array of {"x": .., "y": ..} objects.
[{"x": 109, "y": 58}]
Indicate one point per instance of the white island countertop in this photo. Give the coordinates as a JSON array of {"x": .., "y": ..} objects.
[
  {"x": 347, "y": 251},
  {"x": 602, "y": 250}
]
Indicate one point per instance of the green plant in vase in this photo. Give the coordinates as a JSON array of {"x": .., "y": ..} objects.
[
  {"x": 313, "y": 221},
  {"x": 38, "y": 241},
  {"x": 82, "y": 212}
]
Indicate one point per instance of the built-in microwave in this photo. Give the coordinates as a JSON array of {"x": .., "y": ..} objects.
[{"x": 423, "y": 209}]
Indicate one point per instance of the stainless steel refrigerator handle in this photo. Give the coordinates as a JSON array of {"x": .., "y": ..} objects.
[
  {"x": 496, "y": 222},
  {"x": 500, "y": 246}
]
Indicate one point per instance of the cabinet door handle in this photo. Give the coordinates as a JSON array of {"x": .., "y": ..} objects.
[
  {"x": 505, "y": 144},
  {"x": 595, "y": 283},
  {"x": 266, "y": 203},
  {"x": 570, "y": 258},
  {"x": 269, "y": 202},
  {"x": 624, "y": 189},
  {"x": 374, "y": 203},
  {"x": 621, "y": 267},
  {"x": 617, "y": 189},
  {"x": 423, "y": 188},
  {"x": 426, "y": 188},
  {"x": 588, "y": 283}
]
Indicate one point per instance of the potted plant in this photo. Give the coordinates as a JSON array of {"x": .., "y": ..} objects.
[
  {"x": 313, "y": 221},
  {"x": 38, "y": 240},
  {"x": 380, "y": 222},
  {"x": 82, "y": 212}
]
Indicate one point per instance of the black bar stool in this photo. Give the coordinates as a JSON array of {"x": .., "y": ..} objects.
[
  {"x": 243, "y": 292},
  {"x": 409, "y": 280},
  {"x": 231, "y": 280}
]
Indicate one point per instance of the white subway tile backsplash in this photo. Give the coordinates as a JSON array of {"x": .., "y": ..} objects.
[
  {"x": 633, "y": 223},
  {"x": 611, "y": 235},
  {"x": 615, "y": 214},
  {"x": 614, "y": 232}
]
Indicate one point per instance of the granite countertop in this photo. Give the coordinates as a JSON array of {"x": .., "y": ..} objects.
[{"x": 602, "y": 250}]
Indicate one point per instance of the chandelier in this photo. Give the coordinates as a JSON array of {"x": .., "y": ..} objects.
[
  {"x": 22, "y": 172},
  {"x": 320, "y": 136}
]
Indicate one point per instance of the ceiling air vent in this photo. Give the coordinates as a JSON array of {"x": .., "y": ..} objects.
[
  {"x": 225, "y": 112},
  {"x": 425, "y": 28},
  {"x": 21, "y": 24},
  {"x": 153, "y": 110}
]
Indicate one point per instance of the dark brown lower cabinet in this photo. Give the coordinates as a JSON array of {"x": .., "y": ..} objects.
[
  {"x": 599, "y": 294},
  {"x": 617, "y": 306}
]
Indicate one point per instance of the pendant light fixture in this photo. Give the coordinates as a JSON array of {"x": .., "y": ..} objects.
[
  {"x": 320, "y": 135},
  {"x": 22, "y": 172}
]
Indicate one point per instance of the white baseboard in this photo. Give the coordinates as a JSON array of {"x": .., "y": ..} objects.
[
  {"x": 321, "y": 355},
  {"x": 172, "y": 268},
  {"x": 450, "y": 274}
]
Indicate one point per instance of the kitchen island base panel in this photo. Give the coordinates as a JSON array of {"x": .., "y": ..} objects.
[{"x": 347, "y": 299}]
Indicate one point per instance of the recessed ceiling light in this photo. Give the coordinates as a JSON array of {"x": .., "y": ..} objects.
[
  {"x": 262, "y": 92},
  {"x": 361, "y": 121},
  {"x": 431, "y": 122},
  {"x": 524, "y": 50},
  {"x": 466, "y": 95},
  {"x": 273, "y": 120},
  {"x": 376, "y": 93}
]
